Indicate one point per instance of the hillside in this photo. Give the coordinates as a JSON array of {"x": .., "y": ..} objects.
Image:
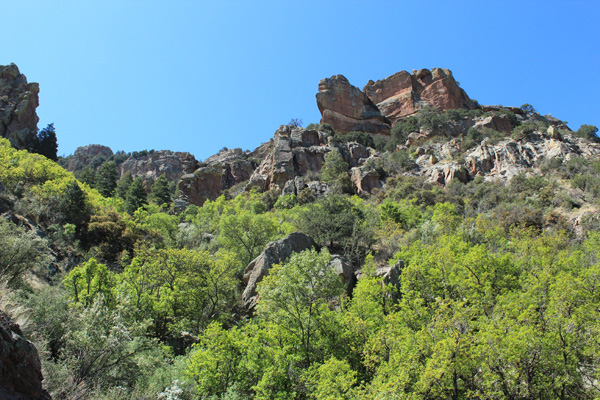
[{"x": 411, "y": 244}]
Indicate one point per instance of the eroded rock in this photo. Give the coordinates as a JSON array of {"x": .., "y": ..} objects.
[
  {"x": 20, "y": 368},
  {"x": 18, "y": 103}
]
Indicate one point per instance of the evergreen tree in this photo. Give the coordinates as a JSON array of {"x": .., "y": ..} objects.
[
  {"x": 160, "y": 191},
  {"x": 45, "y": 143},
  {"x": 123, "y": 185},
  {"x": 86, "y": 175},
  {"x": 136, "y": 196},
  {"x": 106, "y": 179},
  {"x": 335, "y": 172},
  {"x": 73, "y": 205}
]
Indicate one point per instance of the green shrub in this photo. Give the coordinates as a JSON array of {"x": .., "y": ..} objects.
[
  {"x": 360, "y": 137},
  {"x": 286, "y": 202},
  {"x": 588, "y": 132}
]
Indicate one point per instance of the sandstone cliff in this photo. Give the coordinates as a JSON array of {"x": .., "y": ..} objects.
[
  {"x": 384, "y": 102},
  {"x": 18, "y": 102}
]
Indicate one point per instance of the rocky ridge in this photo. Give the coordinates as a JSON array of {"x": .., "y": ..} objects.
[
  {"x": 18, "y": 103},
  {"x": 380, "y": 104}
]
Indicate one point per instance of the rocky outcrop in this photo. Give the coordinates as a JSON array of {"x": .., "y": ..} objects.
[
  {"x": 20, "y": 367},
  {"x": 498, "y": 123},
  {"x": 204, "y": 184},
  {"x": 275, "y": 253},
  {"x": 403, "y": 94},
  {"x": 347, "y": 109},
  {"x": 162, "y": 162},
  {"x": 299, "y": 152},
  {"x": 93, "y": 150},
  {"x": 380, "y": 104},
  {"x": 18, "y": 102},
  {"x": 84, "y": 156},
  {"x": 224, "y": 170},
  {"x": 502, "y": 160},
  {"x": 365, "y": 179}
]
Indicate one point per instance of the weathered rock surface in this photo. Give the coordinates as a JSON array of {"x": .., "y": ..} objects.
[
  {"x": 162, "y": 162},
  {"x": 502, "y": 160},
  {"x": 20, "y": 368},
  {"x": 403, "y": 94},
  {"x": 365, "y": 179},
  {"x": 497, "y": 123},
  {"x": 346, "y": 108},
  {"x": 84, "y": 155},
  {"x": 298, "y": 152},
  {"x": 275, "y": 253},
  {"x": 224, "y": 170},
  {"x": 204, "y": 184},
  {"x": 18, "y": 102}
]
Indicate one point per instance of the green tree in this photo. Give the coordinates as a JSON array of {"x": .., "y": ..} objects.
[
  {"x": 86, "y": 175},
  {"x": 160, "y": 191},
  {"x": 106, "y": 179},
  {"x": 294, "y": 296},
  {"x": 246, "y": 234},
  {"x": 335, "y": 172},
  {"x": 89, "y": 280},
  {"x": 45, "y": 143},
  {"x": 123, "y": 185},
  {"x": 136, "y": 196},
  {"x": 588, "y": 132},
  {"x": 340, "y": 225},
  {"x": 74, "y": 205},
  {"x": 22, "y": 251}
]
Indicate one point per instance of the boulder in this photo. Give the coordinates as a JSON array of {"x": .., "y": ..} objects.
[
  {"x": 365, "y": 179},
  {"x": 347, "y": 109},
  {"x": 18, "y": 103},
  {"x": 20, "y": 368},
  {"x": 497, "y": 123},
  {"x": 275, "y": 253}
]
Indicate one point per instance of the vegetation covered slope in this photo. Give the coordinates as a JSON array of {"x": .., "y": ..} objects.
[{"x": 493, "y": 291}]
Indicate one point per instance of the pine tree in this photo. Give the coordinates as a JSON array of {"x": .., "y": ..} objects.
[
  {"x": 45, "y": 143},
  {"x": 160, "y": 191},
  {"x": 136, "y": 196},
  {"x": 106, "y": 179},
  {"x": 124, "y": 184}
]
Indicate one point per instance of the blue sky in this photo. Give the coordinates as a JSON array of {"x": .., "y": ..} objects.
[{"x": 197, "y": 76}]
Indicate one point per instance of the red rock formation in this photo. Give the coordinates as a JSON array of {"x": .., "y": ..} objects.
[
  {"x": 18, "y": 102},
  {"x": 384, "y": 102},
  {"x": 403, "y": 94},
  {"x": 346, "y": 108}
]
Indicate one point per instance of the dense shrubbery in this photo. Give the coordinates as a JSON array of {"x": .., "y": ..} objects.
[{"x": 493, "y": 294}]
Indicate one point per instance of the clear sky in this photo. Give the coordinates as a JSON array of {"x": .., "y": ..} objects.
[{"x": 197, "y": 76}]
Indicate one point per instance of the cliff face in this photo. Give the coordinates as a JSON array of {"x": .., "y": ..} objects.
[
  {"x": 346, "y": 108},
  {"x": 18, "y": 102},
  {"x": 384, "y": 102},
  {"x": 223, "y": 171},
  {"x": 163, "y": 162},
  {"x": 20, "y": 368}
]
